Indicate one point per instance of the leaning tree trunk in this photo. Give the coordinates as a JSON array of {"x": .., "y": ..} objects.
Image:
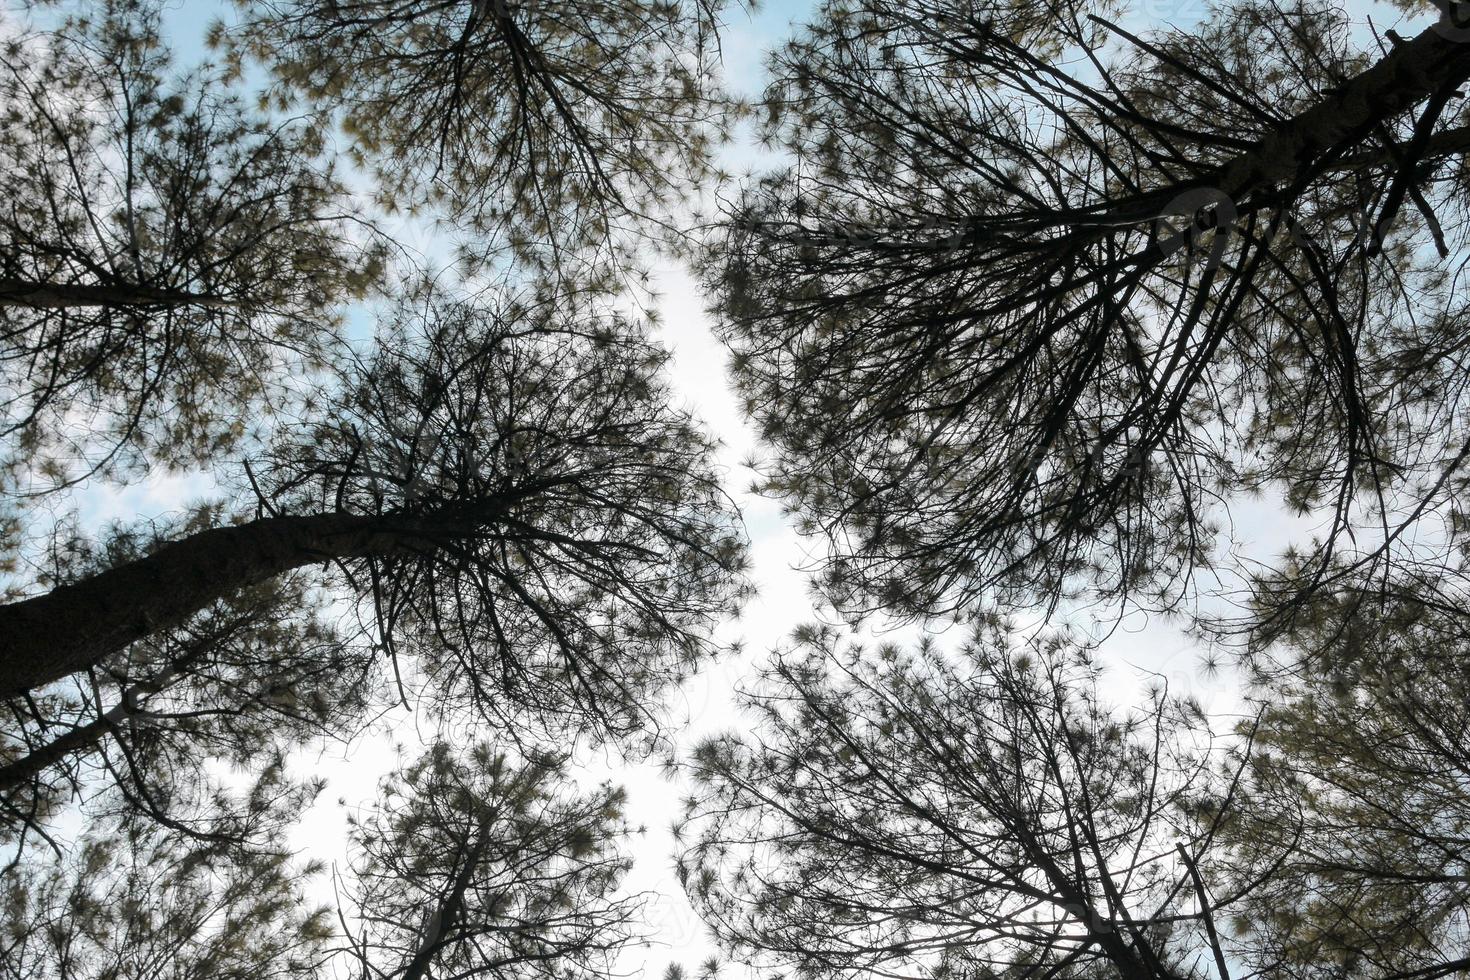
[
  {"x": 1325, "y": 134},
  {"x": 60, "y": 296},
  {"x": 1416, "y": 70},
  {"x": 74, "y": 626}
]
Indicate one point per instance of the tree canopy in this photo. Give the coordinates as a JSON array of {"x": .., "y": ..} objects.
[
  {"x": 526, "y": 124},
  {"x": 985, "y": 813},
  {"x": 509, "y": 491},
  {"x": 492, "y": 500},
  {"x": 1354, "y": 815},
  {"x": 470, "y": 864},
  {"x": 475, "y": 865},
  {"x": 166, "y": 254},
  {"x": 137, "y": 903},
  {"x": 1027, "y": 302},
  {"x": 1038, "y": 295},
  {"x": 978, "y": 815},
  {"x": 236, "y": 687}
]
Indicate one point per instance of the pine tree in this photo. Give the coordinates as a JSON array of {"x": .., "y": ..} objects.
[
  {"x": 524, "y": 124},
  {"x": 166, "y": 255},
  {"x": 136, "y": 903},
  {"x": 980, "y": 814},
  {"x": 1355, "y": 814},
  {"x": 506, "y": 488},
  {"x": 1038, "y": 295},
  {"x": 475, "y": 865},
  {"x": 236, "y": 687}
]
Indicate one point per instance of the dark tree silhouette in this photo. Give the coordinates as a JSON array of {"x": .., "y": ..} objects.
[
  {"x": 969, "y": 815},
  {"x": 477, "y": 866},
  {"x": 137, "y": 904},
  {"x": 1038, "y": 295},
  {"x": 470, "y": 865},
  {"x": 1356, "y": 814},
  {"x": 165, "y": 254},
  {"x": 524, "y": 123},
  {"x": 242, "y": 683},
  {"x": 506, "y": 486}
]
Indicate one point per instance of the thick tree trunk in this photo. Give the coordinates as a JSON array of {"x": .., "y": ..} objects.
[
  {"x": 1326, "y": 134},
  {"x": 60, "y": 296},
  {"x": 1409, "y": 75},
  {"x": 72, "y": 627}
]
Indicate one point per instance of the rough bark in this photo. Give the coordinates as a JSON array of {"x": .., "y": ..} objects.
[
  {"x": 72, "y": 627},
  {"x": 61, "y": 296},
  {"x": 1410, "y": 74},
  {"x": 1327, "y": 133}
]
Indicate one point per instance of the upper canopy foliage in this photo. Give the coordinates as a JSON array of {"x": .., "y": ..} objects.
[
  {"x": 976, "y": 815},
  {"x": 525, "y": 124},
  {"x": 474, "y": 864},
  {"x": 166, "y": 254},
  {"x": 136, "y": 903},
  {"x": 1356, "y": 817},
  {"x": 1037, "y": 295},
  {"x": 1033, "y": 300},
  {"x": 572, "y": 547}
]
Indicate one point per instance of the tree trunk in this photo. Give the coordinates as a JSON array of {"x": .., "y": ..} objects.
[
  {"x": 72, "y": 627},
  {"x": 451, "y": 908},
  {"x": 1101, "y": 929},
  {"x": 60, "y": 296},
  {"x": 1332, "y": 128},
  {"x": 1410, "y": 74}
]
